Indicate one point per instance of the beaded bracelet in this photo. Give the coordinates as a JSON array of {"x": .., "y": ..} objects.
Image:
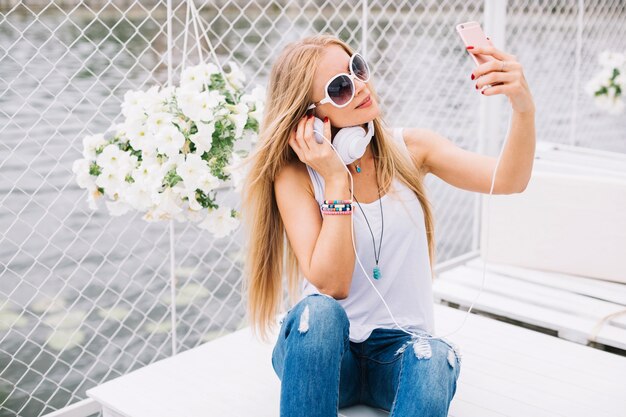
[
  {"x": 337, "y": 209},
  {"x": 337, "y": 201},
  {"x": 337, "y": 212},
  {"x": 336, "y": 206}
]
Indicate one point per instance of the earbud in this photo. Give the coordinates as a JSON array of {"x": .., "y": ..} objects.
[{"x": 350, "y": 142}]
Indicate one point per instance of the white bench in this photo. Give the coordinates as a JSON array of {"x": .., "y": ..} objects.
[
  {"x": 569, "y": 306},
  {"x": 506, "y": 370}
]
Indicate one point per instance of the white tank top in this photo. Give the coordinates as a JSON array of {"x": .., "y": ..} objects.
[{"x": 405, "y": 283}]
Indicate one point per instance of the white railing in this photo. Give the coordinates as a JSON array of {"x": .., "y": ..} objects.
[{"x": 85, "y": 298}]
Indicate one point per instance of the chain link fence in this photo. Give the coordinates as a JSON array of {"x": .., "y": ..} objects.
[{"x": 85, "y": 297}]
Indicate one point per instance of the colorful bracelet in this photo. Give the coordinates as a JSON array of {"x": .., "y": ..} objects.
[
  {"x": 336, "y": 205},
  {"x": 337, "y": 201},
  {"x": 346, "y": 210},
  {"x": 337, "y": 212}
]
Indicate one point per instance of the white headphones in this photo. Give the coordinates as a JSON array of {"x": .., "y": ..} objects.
[{"x": 350, "y": 142}]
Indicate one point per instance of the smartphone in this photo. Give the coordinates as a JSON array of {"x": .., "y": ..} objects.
[{"x": 472, "y": 34}]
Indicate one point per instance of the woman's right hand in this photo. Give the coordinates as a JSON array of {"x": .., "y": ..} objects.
[{"x": 319, "y": 156}]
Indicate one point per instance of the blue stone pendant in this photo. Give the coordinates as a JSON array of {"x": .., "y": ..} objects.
[
  {"x": 376, "y": 272},
  {"x": 358, "y": 169}
]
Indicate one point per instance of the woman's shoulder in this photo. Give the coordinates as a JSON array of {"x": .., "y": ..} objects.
[
  {"x": 415, "y": 141},
  {"x": 295, "y": 172}
]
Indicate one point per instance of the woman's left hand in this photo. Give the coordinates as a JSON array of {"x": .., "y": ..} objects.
[{"x": 505, "y": 75}]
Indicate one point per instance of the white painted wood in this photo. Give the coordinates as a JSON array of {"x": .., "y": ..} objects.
[
  {"x": 570, "y": 305},
  {"x": 79, "y": 409},
  {"x": 568, "y": 326},
  {"x": 603, "y": 290},
  {"x": 506, "y": 370},
  {"x": 580, "y": 157},
  {"x": 537, "y": 294},
  {"x": 562, "y": 222}
]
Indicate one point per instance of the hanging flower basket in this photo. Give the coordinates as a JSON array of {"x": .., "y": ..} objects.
[
  {"x": 607, "y": 87},
  {"x": 175, "y": 148}
]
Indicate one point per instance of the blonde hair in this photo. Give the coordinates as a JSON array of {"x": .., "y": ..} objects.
[{"x": 288, "y": 95}]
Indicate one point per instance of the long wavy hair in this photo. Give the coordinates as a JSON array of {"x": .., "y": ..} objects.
[{"x": 267, "y": 250}]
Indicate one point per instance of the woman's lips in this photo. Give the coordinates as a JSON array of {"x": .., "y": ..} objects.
[{"x": 366, "y": 103}]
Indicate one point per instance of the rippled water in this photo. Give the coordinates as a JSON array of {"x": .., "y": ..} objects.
[{"x": 62, "y": 79}]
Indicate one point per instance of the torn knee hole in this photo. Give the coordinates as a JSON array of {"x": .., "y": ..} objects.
[
  {"x": 304, "y": 321},
  {"x": 421, "y": 348}
]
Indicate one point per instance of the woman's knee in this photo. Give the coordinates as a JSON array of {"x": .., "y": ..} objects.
[
  {"x": 441, "y": 357},
  {"x": 320, "y": 314},
  {"x": 429, "y": 374}
]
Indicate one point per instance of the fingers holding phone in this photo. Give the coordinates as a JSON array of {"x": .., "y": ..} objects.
[{"x": 496, "y": 72}]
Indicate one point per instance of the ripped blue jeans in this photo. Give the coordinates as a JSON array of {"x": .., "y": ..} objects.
[{"x": 322, "y": 371}]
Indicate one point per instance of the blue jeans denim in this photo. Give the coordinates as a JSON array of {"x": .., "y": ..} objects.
[{"x": 321, "y": 370}]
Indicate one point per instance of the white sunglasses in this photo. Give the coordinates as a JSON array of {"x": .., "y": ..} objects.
[{"x": 339, "y": 90}]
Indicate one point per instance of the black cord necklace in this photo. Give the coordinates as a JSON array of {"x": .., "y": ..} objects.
[{"x": 376, "y": 271}]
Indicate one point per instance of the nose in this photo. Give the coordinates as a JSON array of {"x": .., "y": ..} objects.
[{"x": 358, "y": 85}]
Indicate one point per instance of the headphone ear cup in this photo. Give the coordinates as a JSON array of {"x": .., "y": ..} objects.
[
  {"x": 318, "y": 130},
  {"x": 350, "y": 143}
]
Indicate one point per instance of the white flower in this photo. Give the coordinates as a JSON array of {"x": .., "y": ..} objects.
[
  {"x": 132, "y": 107},
  {"x": 239, "y": 117},
  {"x": 193, "y": 79},
  {"x": 118, "y": 207},
  {"x": 112, "y": 158},
  {"x": 235, "y": 77},
  {"x": 199, "y": 106},
  {"x": 208, "y": 69},
  {"x": 192, "y": 170},
  {"x": 169, "y": 140},
  {"x": 203, "y": 139},
  {"x": 152, "y": 101},
  {"x": 611, "y": 104},
  {"x": 611, "y": 59},
  {"x": 142, "y": 195},
  {"x": 256, "y": 102},
  {"x": 191, "y": 200},
  {"x": 111, "y": 180},
  {"x": 91, "y": 143},
  {"x": 171, "y": 161},
  {"x": 139, "y": 136},
  {"x": 92, "y": 195},
  {"x": 148, "y": 172},
  {"x": 621, "y": 81},
  {"x": 219, "y": 222},
  {"x": 237, "y": 171},
  {"x": 157, "y": 120},
  {"x": 208, "y": 182},
  {"x": 80, "y": 168},
  {"x": 594, "y": 85},
  {"x": 168, "y": 206}
]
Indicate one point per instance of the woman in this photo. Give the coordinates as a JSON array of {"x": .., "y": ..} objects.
[{"x": 338, "y": 346}]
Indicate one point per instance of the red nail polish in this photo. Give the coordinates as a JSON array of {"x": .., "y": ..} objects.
[
  {"x": 325, "y": 119},
  {"x": 472, "y": 76},
  {"x": 470, "y": 47},
  {"x": 476, "y": 86},
  {"x": 482, "y": 92}
]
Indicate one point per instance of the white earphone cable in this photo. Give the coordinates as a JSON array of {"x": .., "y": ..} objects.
[{"x": 493, "y": 180}]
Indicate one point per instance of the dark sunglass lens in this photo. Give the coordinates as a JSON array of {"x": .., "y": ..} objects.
[
  {"x": 360, "y": 68},
  {"x": 340, "y": 90}
]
